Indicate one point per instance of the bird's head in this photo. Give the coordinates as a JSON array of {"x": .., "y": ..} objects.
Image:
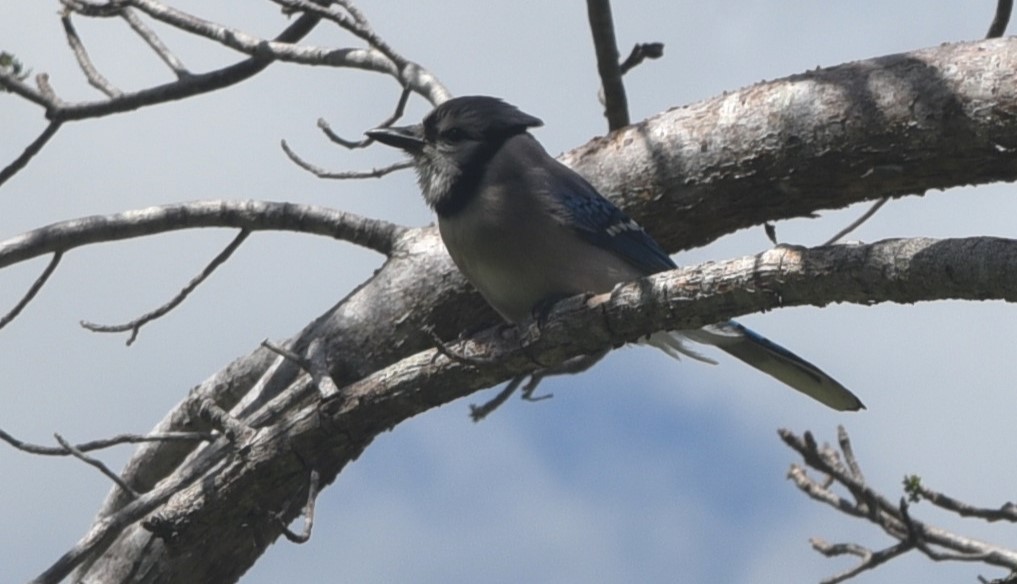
[{"x": 453, "y": 143}]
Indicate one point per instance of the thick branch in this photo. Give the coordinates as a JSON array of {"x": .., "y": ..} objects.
[
  {"x": 896, "y": 125},
  {"x": 329, "y": 434},
  {"x": 718, "y": 155}
]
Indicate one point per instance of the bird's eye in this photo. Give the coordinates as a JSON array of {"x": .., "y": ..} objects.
[{"x": 453, "y": 134}]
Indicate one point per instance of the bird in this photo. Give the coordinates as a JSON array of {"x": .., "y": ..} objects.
[{"x": 527, "y": 231}]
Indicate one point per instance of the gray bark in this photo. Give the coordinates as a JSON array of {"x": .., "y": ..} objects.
[{"x": 890, "y": 126}]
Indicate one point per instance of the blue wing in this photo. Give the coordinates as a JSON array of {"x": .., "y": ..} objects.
[{"x": 603, "y": 224}]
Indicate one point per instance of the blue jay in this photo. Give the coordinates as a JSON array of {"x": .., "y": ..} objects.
[{"x": 526, "y": 230}]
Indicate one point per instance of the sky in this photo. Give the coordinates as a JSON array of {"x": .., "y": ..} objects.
[{"x": 642, "y": 470}]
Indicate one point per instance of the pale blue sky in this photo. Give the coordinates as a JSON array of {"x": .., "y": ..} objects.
[{"x": 643, "y": 470}]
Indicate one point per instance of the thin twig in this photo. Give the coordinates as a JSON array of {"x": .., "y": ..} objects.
[
  {"x": 641, "y": 52},
  {"x": 352, "y": 144},
  {"x": 105, "y": 442},
  {"x": 351, "y": 174},
  {"x": 32, "y": 291},
  {"x": 30, "y": 151},
  {"x": 895, "y": 519},
  {"x": 1007, "y": 512},
  {"x": 153, "y": 41},
  {"x": 97, "y": 464},
  {"x": 135, "y": 325},
  {"x": 312, "y": 496},
  {"x": 857, "y": 222},
  {"x": 285, "y": 353},
  {"x": 95, "y": 79}
]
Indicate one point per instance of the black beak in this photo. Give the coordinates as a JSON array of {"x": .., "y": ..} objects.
[{"x": 408, "y": 138}]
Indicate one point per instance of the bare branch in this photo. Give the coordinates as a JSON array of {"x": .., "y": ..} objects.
[
  {"x": 380, "y": 58},
  {"x": 1000, "y": 19},
  {"x": 857, "y": 222},
  {"x": 95, "y": 79},
  {"x": 641, "y": 52},
  {"x": 153, "y": 41},
  {"x": 351, "y": 144},
  {"x": 374, "y": 234},
  {"x": 15, "y": 84},
  {"x": 895, "y": 520},
  {"x": 349, "y": 174},
  {"x": 914, "y": 486},
  {"x": 312, "y": 496},
  {"x": 179, "y": 89},
  {"x": 616, "y": 107},
  {"x": 869, "y": 558},
  {"x": 285, "y": 353},
  {"x": 105, "y": 442},
  {"x": 97, "y": 464},
  {"x": 135, "y": 325},
  {"x": 30, "y": 151},
  {"x": 32, "y": 291}
]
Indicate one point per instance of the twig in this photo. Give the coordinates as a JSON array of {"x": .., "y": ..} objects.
[
  {"x": 312, "y": 496},
  {"x": 30, "y": 151},
  {"x": 641, "y": 52},
  {"x": 352, "y": 144},
  {"x": 285, "y": 353},
  {"x": 857, "y": 222},
  {"x": 135, "y": 325},
  {"x": 895, "y": 520},
  {"x": 97, "y": 464},
  {"x": 354, "y": 21},
  {"x": 95, "y": 79},
  {"x": 870, "y": 559},
  {"x": 1007, "y": 512},
  {"x": 616, "y": 107},
  {"x": 1000, "y": 20},
  {"x": 32, "y": 291},
  {"x": 153, "y": 41},
  {"x": 351, "y": 174},
  {"x": 105, "y": 442}
]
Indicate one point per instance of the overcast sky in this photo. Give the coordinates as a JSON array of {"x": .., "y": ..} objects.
[{"x": 644, "y": 470}]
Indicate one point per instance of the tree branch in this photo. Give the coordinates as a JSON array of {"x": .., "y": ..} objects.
[
  {"x": 373, "y": 234},
  {"x": 30, "y": 151},
  {"x": 895, "y": 520},
  {"x": 616, "y": 106},
  {"x": 328, "y": 434},
  {"x": 32, "y": 290},
  {"x": 941, "y": 117},
  {"x": 134, "y": 326},
  {"x": 1000, "y": 19}
]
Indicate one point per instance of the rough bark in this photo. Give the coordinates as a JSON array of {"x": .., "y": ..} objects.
[{"x": 892, "y": 126}]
